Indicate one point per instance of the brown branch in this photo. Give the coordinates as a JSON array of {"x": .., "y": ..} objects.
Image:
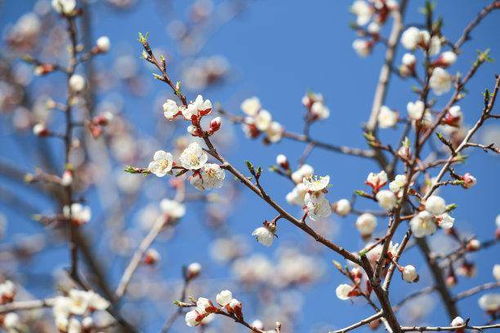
[
  {"x": 447, "y": 328},
  {"x": 477, "y": 289},
  {"x": 360, "y": 323}
]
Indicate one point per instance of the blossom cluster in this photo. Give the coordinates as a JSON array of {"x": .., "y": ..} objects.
[
  {"x": 435, "y": 214},
  {"x": 205, "y": 309},
  {"x": 259, "y": 120},
  {"x": 78, "y": 303}
]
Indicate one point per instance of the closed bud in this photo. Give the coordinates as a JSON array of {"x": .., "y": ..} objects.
[
  {"x": 473, "y": 245},
  {"x": 468, "y": 180},
  {"x": 282, "y": 161},
  {"x": 103, "y": 44},
  {"x": 44, "y": 69},
  {"x": 215, "y": 125},
  {"x": 40, "y": 130},
  {"x": 67, "y": 178},
  {"x": 193, "y": 270},
  {"x": 151, "y": 257}
]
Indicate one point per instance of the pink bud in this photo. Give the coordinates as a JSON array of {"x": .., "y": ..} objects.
[
  {"x": 215, "y": 125},
  {"x": 40, "y": 130}
]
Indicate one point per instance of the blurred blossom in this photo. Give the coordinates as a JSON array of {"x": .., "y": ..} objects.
[{"x": 204, "y": 72}]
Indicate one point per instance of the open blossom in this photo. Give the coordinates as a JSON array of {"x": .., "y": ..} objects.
[
  {"x": 263, "y": 120},
  {"x": 209, "y": 177},
  {"x": 407, "y": 67},
  {"x": 423, "y": 224},
  {"x": 274, "y": 132},
  {"x": 435, "y": 205},
  {"x": 453, "y": 117},
  {"x": 297, "y": 195},
  {"x": 342, "y": 207},
  {"x": 445, "y": 221},
  {"x": 319, "y": 110},
  {"x": 162, "y": 163},
  {"x": 173, "y": 209},
  {"x": 193, "y": 157},
  {"x": 265, "y": 234},
  {"x": 64, "y": 6},
  {"x": 304, "y": 171},
  {"x": 170, "y": 109},
  {"x": 251, "y": 106},
  {"x": 343, "y": 291},
  {"x": 398, "y": 183},
  {"x": 440, "y": 81},
  {"x": 316, "y": 183},
  {"x": 79, "y": 214},
  {"x": 386, "y": 199},
  {"x": 362, "y": 10},
  {"x": 7, "y": 292},
  {"x": 386, "y": 117},
  {"x": 410, "y": 38},
  {"x": 317, "y": 206},
  {"x": 490, "y": 303},
  {"x": 415, "y": 109},
  {"x": 224, "y": 297},
  {"x": 376, "y": 180},
  {"x": 199, "y": 107},
  {"x": 410, "y": 273},
  {"x": 366, "y": 224},
  {"x": 374, "y": 254}
]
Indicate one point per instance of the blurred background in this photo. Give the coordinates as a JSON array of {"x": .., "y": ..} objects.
[{"x": 227, "y": 51}]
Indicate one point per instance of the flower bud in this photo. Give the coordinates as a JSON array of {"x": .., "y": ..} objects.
[
  {"x": 103, "y": 44},
  {"x": 215, "y": 125},
  {"x": 151, "y": 257},
  {"x": 224, "y": 297},
  {"x": 282, "y": 161},
  {"x": 469, "y": 180},
  {"x": 342, "y": 207},
  {"x": 44, "y": 69},
  {"x": 67, "y": 178},
  {"x": 473, "y": 245},
  {"x": 410, "y": 274},
  {"x": 77, "y": 83},
  {"x": 40, "y": 130},
  {"x": 193, "y": 270}
]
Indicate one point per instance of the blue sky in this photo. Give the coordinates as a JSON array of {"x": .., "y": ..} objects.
[{"x": 278, "y": 50}]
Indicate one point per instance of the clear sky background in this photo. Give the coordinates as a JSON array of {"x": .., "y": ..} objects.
[{"x": 278, "y": 49}]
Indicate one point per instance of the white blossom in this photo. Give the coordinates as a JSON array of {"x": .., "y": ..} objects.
[
  {"x": 411, "y": 38},
  {"x": 423, "y": 224},
  {"x": 362, "y": 47},
  {"x": 282, "y": 161},
  {"x": 78, "y": 213},
  {"x": 469, "y": 180},
  {"x": 193, "y": 269},
  {"x": 170, "y": 109},
  {"x": 103, "y": 43},
  {"x": 304, "y": 171},
  {"x": 440, "y": 81},
  {"x": 386, "y": 117},
  {"x": 297, "y": 195},
  {"x": 489, "y": 302},
  {"x": 457, "y": 322},
  {"x": 203, "y": 305},
  {"x": 320, "y": 110},
  {"x": 264, "y": 235},
  {"x": 317, "y": 206},
  {"x": 362, "y": 10},
  {"x": 366, "y": 224},
  {"x": 39, "y": 129},
  {"x": 172, "y": 208},
  {"x": 343, "y": 207},
  {"x": 162, "y": 163},
  {"x": 408, "y": 59},
  {"x": 210, "y": 176},
  {"x": 386, "y": 199},
  {"x": 448, "y": 58},
  {"x": 251, "y": 106},
  {"x": 64, "y": 6},
  {"x": 435, "y": 205},
  {"x": 376, "y": 180},
  {"x": 274, "y": 132},
  {"x": 193, "y": 157},
  {"x": 224, "y": 297},
  {"x": 445, "y": 221},
  {"x": 316, "y": 183},
  {"x": 410, "y": 273},
  {"x": 343, "y": 291},
  {"x": 198, "y": 107},
  {"x": 11, "y": 322},
  {"x": 496, "y": 272},
  {"x": 191, "y": 318},
  {"x": 415, "y": 109},
  {"x": 398, "y": 183},
  {"x": 263, "y": 120},
  {"x": 77, "y": 82}
]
